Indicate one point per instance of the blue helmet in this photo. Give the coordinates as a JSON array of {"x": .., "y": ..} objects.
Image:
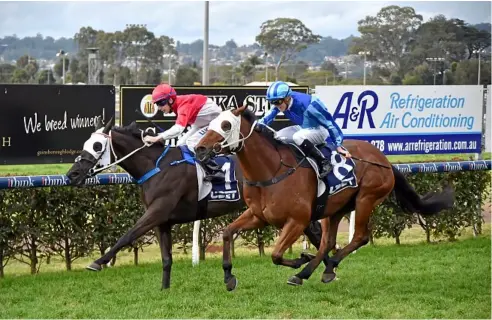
[{"x": 278, "y": 90}]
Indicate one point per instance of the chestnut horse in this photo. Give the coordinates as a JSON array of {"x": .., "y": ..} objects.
[{"x": 281, "y": 192}]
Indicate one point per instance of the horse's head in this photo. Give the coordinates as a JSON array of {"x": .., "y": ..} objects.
[
  {"x": 224, "y": 134},
  {"x": 96, "y": 152}
]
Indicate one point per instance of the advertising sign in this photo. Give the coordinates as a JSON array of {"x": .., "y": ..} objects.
[
  {"x": 41, "y": 124},
  {"x": 409, "y": 119},
  {"x": 137, "y": 100}
]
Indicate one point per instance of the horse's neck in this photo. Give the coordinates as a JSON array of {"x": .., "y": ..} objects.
[
  {"x": 259, "y": 159},
  {"x": 137, "y": 164}
]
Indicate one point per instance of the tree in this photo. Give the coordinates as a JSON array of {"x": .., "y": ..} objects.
[
  {"x": 467, "y": 72},
  {"x": 389, "y": 221},
  {"x": 6, "y": 72},
  {"x": 412, "y": 79},
  {"x": 388, "y": 36},
  {"x": 440, "y": 37},
  {"x": 8, "y": 233},
  {"x": 476, "y": 39},
  {"x": 69, "y": 234},
  {"x": 43, "y": 77},
  {"x": 31, "y": 69},
  {"x": 58, "y": 68},
  {"x": 282, "y": 38},
  {"x": 85, "y": 38},
  {"x": 260, "y": 238},
  {"x": 23, "y": 61},
  {"x": 20, "y": 76},
  {"x": 329, "y": 66},
  {"x": 154, "y": 77},
  {"x": 186, "y": 76}
]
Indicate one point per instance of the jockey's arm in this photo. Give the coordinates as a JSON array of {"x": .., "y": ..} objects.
[
  {"x": 313, "y": 115},
  {"x": 269, "y": 116},
  {"x": 172, "y": 132},
  {"x": 177, "y": 128}
]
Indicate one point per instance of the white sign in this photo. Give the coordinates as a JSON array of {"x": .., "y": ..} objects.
[
  {"x": 408, "y": 119},
  {"x": 488, "y": 121}
]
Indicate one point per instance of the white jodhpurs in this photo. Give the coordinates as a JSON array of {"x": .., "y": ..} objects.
[
  {"x": 316, "y": 135},
  {"x": 191, "y": 138}
]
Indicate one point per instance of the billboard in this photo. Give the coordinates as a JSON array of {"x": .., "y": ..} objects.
[
  {"x": 409, "y": 119},
  {"x": 42, "y": 124},
  {"x": 136, "y": 100}
]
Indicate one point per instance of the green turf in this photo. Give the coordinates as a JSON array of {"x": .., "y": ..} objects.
[
  {"x": 443, "y": 280},
  {"x": 34, "y": 169}
]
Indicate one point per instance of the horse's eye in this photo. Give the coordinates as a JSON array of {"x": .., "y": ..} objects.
[
  {"x": 97, "y": 146},
  {"x": 225, "y": 125}
]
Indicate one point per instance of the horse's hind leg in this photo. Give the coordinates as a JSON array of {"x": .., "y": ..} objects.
[
  {"x": 313, "y": 232},
  {"x": 246, "y": 221},
  {"x": 363, "y": 209}
]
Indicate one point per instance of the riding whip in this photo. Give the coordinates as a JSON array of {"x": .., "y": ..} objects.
[
  {"x": 152, "y": 122},
  {"x": 370, "y": 162}
]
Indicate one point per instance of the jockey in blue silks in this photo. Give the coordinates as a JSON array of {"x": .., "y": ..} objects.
[{"x": 317, "y": 124}]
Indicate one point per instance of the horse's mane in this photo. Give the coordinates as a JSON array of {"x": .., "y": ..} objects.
[
  {"x": 134, "y": 131},
  {"x": 250, "y": 116}
]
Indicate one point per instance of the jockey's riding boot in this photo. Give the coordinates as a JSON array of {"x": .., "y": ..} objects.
[
  {"x": 213, "y": 171},
  {"x": 311, "y": 151}
]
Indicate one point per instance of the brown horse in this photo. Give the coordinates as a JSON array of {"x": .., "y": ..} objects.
[{"x": 280, "y": 191}]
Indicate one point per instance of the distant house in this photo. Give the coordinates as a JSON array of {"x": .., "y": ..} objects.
[{"x": 266, "y": 84}]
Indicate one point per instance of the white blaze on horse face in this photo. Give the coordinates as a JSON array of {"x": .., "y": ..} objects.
[
  {"x": 98, "y": 146},
  {"x": 231, "y": 137}
]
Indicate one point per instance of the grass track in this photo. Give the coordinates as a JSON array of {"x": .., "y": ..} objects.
[{"x": 445, "y": 280}]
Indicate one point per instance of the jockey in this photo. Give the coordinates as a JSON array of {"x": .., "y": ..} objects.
[
  {"x": 195, "y": 110},
  {"x": 311, "y": 114}
]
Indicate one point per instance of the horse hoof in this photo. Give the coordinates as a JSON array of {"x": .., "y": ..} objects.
[
  {"x": 328, "y": 277},
  {"x": 295, "y": 281},
  {"x": 231, "y": 284},
  {"x": 94, "y": 267}
]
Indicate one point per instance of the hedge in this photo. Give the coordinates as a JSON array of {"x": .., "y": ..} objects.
[{"x": 36, "y": 224}]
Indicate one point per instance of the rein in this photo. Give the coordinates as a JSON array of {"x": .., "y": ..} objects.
[
  {"x": 94, "y": 171},
  {"x": 275, "y": 179}
]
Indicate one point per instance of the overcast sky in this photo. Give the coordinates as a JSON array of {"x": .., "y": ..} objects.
[{"x": 238, "y": 20}]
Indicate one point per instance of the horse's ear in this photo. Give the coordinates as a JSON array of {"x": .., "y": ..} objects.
[
  {"x": 98, "y": 125},
  {"x": 108, "y": 126},
  {"x": 239, "y": 110}
]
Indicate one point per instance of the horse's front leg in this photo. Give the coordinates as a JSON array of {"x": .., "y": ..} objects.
[
  {"x": 246, "y": 221},
  {"x": 155, "y": 215},
  {"x": 290, "y": 233},
  {"x": 165, "y": 244}
]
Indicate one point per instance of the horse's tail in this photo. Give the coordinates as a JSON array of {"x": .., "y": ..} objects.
[{"x": 411, "y": 202}]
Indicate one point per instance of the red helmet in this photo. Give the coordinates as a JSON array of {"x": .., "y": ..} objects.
[{"x": 163, "y": 92}]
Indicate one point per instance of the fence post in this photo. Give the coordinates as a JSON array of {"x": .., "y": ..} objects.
[
  {"x": 195, "y": 249},
  {"x": 352, "y": 227}
]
